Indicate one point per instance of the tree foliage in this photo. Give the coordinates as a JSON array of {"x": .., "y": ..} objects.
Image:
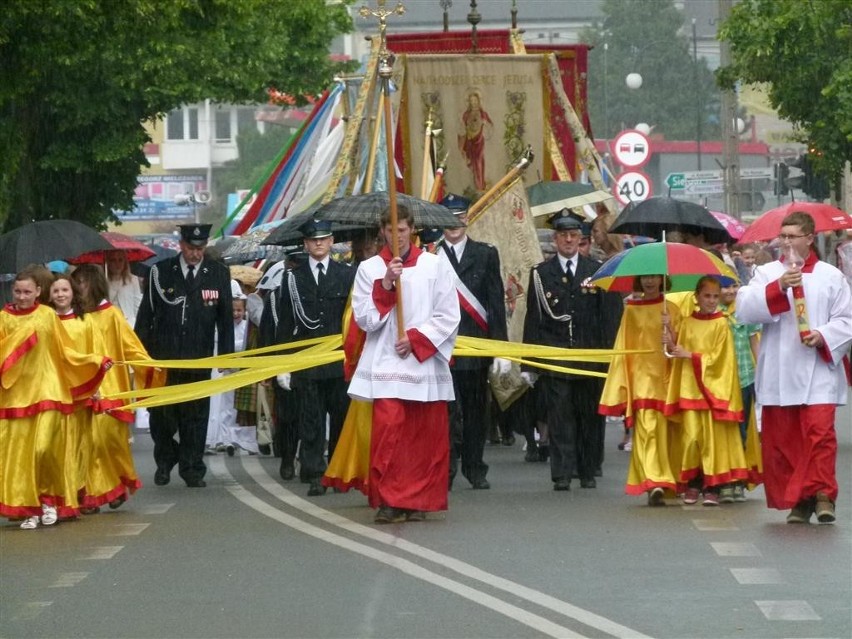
[
  {"x": 802, "y": 51},
  {"x": 80, "y": 78},
  {"x": 649, "y": 37}
]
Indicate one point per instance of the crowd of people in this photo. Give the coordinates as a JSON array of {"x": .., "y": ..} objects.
[{"x": 401, "y": 417}]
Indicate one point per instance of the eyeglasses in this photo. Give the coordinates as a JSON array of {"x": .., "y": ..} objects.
[
  {"x": 569, "y": 233},
  {"x": 786, "y": 236}
]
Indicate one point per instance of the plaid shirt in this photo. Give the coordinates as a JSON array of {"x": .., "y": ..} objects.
[{"x": 742, "y": 345}]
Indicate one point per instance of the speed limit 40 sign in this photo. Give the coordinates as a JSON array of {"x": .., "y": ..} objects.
[{"x": 632, "y": 186}]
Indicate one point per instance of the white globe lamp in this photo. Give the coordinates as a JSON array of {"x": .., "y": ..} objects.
[{"x": 633, "y": 81}]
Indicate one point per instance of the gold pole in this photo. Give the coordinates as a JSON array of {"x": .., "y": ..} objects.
[
  {"x": 427, "y": 144},
  {"x": 439, "y": 180},
  {"x": 479, "y": 206},
  {"x": 374, "y": 146}
]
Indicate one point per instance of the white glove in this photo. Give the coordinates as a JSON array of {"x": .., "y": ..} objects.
[
  {"x": 529, "y": 378},
  {"x": 500, "y": 366},
  {"x": 283, "y": 380}
]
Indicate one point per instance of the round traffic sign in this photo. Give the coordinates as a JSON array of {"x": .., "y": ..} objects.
[
  {"x": 632, "y": 186},
  {"x": 632, "y": 149}
]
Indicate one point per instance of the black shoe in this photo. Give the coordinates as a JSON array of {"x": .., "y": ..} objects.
[
  {"x": 532, "y": 454},
  {"x": 389, "y": 515},
  {"x": 287, "y": 470},
  {"x": 196, "y": 483},
  {"x": 543, "y": 453},
  {"x": 316, "y": 489},
  {"x": 561, "y": 484},
  {"x": 480, "y": 484},
  {"x": 230, "y": 450},
  {"x": 588, "y": 483},
  {"x": 508, "y": 441},
  {"x": 161, "y": 477},
  {"x": 265, "y": 449},
  {"x": 598, "y": 472}
]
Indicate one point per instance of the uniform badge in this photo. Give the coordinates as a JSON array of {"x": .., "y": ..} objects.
[{"x": 210, "y": 296}]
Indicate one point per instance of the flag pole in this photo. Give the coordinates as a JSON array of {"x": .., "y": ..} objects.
[
  {"x": 477, "y": 208},
  {"x": 385, "y": 71}
]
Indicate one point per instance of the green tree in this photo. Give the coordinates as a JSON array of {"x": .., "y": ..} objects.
[
  {"x": 802, "y": 51},
  {"x": 649, "y": 37},
  {"x": 81, "y": 77}
]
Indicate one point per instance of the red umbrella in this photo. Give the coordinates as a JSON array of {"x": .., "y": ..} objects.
[
  {"x": 768, "y": 226},
  {"x": 135, "y": 250}
]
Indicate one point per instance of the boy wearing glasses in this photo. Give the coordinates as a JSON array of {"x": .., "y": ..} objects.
[{"x": 800, "y": 379}]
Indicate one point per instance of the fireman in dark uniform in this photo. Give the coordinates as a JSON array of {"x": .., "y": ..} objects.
[
  {"x": 481, "y": 298},
  {"x": 565, "y": 310},
  {"x": 311, "y": 303},
  {"x": 188, "y": 298}
]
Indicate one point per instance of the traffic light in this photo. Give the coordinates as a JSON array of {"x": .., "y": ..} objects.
[
  {"x": 782, "y": 175},
  {"x": 798, "y": 181},
  {"x": 816, "y": 186}
]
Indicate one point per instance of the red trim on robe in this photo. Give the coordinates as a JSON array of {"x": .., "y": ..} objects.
[
  {"x": 38, "y": 407},
  {"x": 421, "y": 347},
  {"x": 14, "y": 310},
  {"x": 776, "y": 299},
  {"x": 92, "y": 385},
  {"x": 648, "y": 484},
  {"x": 26, "y": 346},
  {"x": 384, "y": 299},
  {"x": 735, "y": 474}
]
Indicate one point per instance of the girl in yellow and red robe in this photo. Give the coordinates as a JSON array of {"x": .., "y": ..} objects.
[
  {"x": 704, "y": 397},
  {"x": 112, "y": 474},
  {"x": 636, "y": 388},
  {"x": 41, "y": 377}
]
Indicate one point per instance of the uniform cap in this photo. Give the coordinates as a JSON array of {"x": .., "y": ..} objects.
[
  {"x": 456, "y": 203},
  {"x": 315, "y": 229},
  {"x": 195, "y": 234}
]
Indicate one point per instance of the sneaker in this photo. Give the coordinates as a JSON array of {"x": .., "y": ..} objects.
[
  {"x": 30, "y": 523},
  {"x": 801, "y": 512},
  {"x": 48, "y": 516},
  {"x": 824, "y": 509},
  {"x": 691, "y": 496},
  {"x": 655, "y": 497},
  {"x": 415, "y": 515},
  {"x": 726, "y": 495},
  {"x": 710, "y": 498},
  {"x": 389, "y": 515},
  {"x": 628, "y": 446},
  {"x": 739, "y": 493}
]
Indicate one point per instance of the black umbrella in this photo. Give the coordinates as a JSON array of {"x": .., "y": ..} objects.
[
  {"x": 141, "y": 269},
  {"x": 366, "y": 210},
  {"x": 289, "y": 232},
  {"x": 47, "y": 240},
  {"x": 657, "y": 214}
]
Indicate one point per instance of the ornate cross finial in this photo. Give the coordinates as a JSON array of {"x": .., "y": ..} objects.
[
  {"x": 382, "y": 14},
  {"x": 474, "y": 18},
  {"x": 445, "y": 5}
]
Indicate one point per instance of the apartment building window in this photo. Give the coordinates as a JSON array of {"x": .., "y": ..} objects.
[
  {"x": 223, "y": 124},
  {"x": 182, "y": 124}
]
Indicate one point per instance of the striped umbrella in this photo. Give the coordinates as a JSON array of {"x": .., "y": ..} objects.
[{"x": 684, "y": 264}]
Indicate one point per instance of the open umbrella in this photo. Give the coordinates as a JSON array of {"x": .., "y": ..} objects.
[
  {"x": 134, "y": 249},
  {"x": 656, "y": 215},
  {"x": 366, "y": 210},
  {"x": 768, "y": 226},
  {"x": 684, "y": 264},
  {"x": 548, "y": 197},
  {"x": 45, "y": 241},
  {"x": 141, "y": 269},
  {"x": 735, "y": 228},
  {"x": 248, "y": 247},
  {"x": 289, "y": 233}
]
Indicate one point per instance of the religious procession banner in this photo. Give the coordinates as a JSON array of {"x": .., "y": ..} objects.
[{"x": 485, "y": 111}]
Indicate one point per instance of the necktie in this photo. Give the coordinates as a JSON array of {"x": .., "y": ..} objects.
[
  {"x": 569, "y": 268},
  {"x": 320, "y": 274},
  {"x": 190, "y": 274}
]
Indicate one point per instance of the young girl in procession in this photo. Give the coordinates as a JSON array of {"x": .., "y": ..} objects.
[
  {"x": 223, "y": 428},
  {"x": 66, "y": 302},
  {"x": 636, "y": 388},
  {"x": 704, "y": 397},
  {"x": 111, "y": 476},
  {"x": 124, "y": 290},
  {"x": 42, "y": 376},
  {"x": 746, "y": 337}
]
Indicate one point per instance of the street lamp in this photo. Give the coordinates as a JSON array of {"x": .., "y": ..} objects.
[
  {"x": 633, "y": 81},
  {"x": 697, "y": 92}
]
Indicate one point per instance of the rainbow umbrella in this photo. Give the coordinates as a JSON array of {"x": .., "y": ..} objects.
[{"x": 684, "y": 264}]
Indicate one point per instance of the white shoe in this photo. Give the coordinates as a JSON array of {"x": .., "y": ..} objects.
[
  {"x": 48, "y": 517},
  {"x": 30, "y": 523}
]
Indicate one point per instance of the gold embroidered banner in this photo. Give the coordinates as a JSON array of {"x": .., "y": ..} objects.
[{"x": 488, "y": 109}]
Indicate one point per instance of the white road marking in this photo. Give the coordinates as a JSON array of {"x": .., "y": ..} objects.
[
  {"x": 123, "y": 530},
  {"x": 30, "y": 610},
  {"x": 592, "y": 620},
  {"x": 793, "y": 610},
  {"x": 155, "y": 509},
  {"x": 68, "y": 579},
  {"x": 753, "y": 576},
  {"x": 714, "y": 524},
  {"x": 102, "y": 552},
  {"x": 734, "y": 549}
]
